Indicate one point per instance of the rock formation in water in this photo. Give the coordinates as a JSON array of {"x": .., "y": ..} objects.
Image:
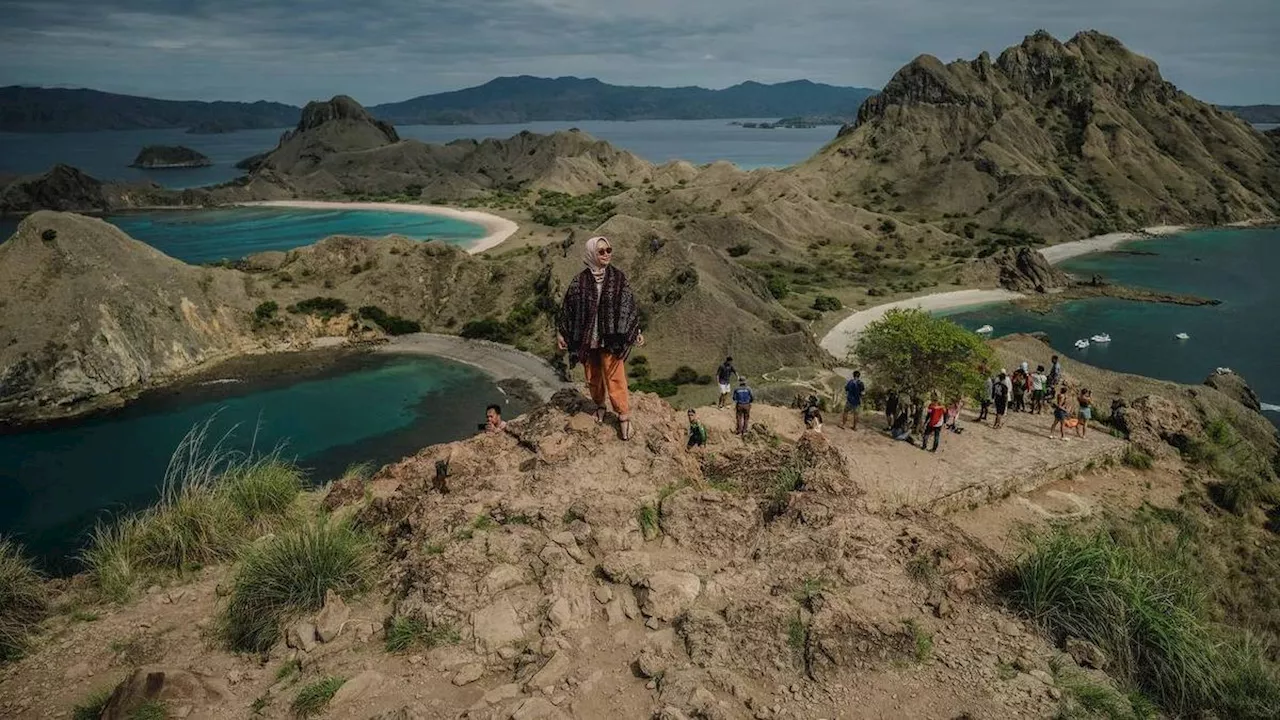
[
  {"x": 1061, "y": 140},
  {"x": 87, "y": 310},
  {"x": 1021, "y": 270},
  {"x": 62, "y": 188},
  {"x": 157, "y": 157}
]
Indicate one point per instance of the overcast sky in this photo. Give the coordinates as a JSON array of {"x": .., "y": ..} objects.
[{"x": 1223, "y": 51}]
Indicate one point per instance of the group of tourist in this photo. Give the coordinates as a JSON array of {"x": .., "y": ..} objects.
[{"x": 600, "y": 324}]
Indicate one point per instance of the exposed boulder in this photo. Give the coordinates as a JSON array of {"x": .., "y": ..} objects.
[
  {"x": 1154, "y": 424},
  {"x": 159, "y": 157},
  {"x": 180, "y": 690},
  {"x": 1024, "y": 270},
  {"x": 62, "y": 188},
  {"x": 1235, "y": 387}
]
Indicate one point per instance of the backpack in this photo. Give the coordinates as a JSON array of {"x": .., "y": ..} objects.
[
  {"x": 698, "y": 433},
  {"x": 999, "y": 390}
]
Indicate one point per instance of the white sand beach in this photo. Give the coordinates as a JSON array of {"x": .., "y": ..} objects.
[
  {"x": 840, "y": 339},
  {"x": 1101, "y": 243},
  {"x": 502, "y": 362},
  {"x": 499, "y": 228}
]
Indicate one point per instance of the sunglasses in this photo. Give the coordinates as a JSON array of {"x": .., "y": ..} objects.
[{"x": 605, "y": 251}]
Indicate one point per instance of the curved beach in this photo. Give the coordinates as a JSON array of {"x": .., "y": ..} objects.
[
  {"x": 1102, "y": 243},
  {"x": 499, "y": 228},
  {"x": 839, "y": 340},
  {"x": 502, "y": 362}
]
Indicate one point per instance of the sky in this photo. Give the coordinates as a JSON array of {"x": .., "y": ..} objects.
[{"x": 1226, "y": 52}]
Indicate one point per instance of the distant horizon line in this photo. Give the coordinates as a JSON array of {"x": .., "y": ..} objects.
[{"x": 496, "y": 78}]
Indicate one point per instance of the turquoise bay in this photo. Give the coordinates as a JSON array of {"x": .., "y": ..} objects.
[
  {"x": 56, "y": 481},
  {"x": 203, "y": 236},
  {"x": 1238, "y": 267}
]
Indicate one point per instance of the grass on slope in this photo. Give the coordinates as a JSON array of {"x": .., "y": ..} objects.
[
  {"x": 1139, "y": 596},
  {"x": 23, "y": 602},
  {"x": 314, "y": 698},
  {"x": 212, "y": 503},
  {"x": 288, "y": 575}
]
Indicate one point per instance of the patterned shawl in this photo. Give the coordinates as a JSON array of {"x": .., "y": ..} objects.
[{"x": 615, "y": 314}]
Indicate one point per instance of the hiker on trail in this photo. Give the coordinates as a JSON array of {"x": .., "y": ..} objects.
[
  {"x": 812, "y": 414},
  {"x": 697, "y": 431},
  {"x": 935, "y": 416},
  {"x": 1055, "y": 375},
  {"x": 1001, "y": 388},
  {"x": 1085, "y": 413},
  {"x": 853, "y": 391},
  {"x": 1038, "y": 382},
  {"x": 953, "y": 414},
  {"x": 493, "y": 419},
  {"x": 742, "y": 399},
  {"x": 898, "y": 430},
  {"x": 599, "y": 324},
  {"x": 723, "y": 374},
  {"x": 988, "y": 387},
  {"x": 1059, "y": 413},
  {"x": 891, "y": 402},
  {"x": 1019, "y": 386}
]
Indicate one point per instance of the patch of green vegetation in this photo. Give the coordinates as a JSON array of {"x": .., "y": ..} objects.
[
  {"x": 739, "y": 250},
  {"x": 1135, "y": 458},
  {"x": 288, "y": 575},
  {"x": 778, "y": 286},
  {"x": 650, "y": 526},
  {"x": 778, "y": 497},
  {"x": 921, "y": 354},
  {"x": 322, "y": 307},
  {"x": 558, "y": 209},
  {"x": 797, "y": 633},
  {"x": 290, "y": 670},
  {"x": 391, "y": 324},
  {"x": 84, "y": 616},
  {"x": 483, "y": 523},
  {"x": 314, "y": 698},
  {"x": 23, "y": 600},
  {"x": 403, "y": 633},
  {"x": 265, "y": 314},
  {"x": 263, "y": 491},
  {"x": 825, "y": 303},
  {"x": 1085, "y": 699},
  {"x": 149, "y": 710},
  {"x": 921, "y": 640},
  {"x": 1141, "y": 599},
  {"x": 91, "y": 707}
]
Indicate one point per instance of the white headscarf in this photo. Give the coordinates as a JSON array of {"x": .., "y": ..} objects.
[{"x": 592, "y": 259}]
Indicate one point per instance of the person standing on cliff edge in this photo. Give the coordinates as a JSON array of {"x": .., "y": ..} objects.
[{"x": 599, "y": 324}]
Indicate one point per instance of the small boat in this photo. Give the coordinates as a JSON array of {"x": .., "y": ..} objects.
[
  {"x": 1182, "y": 336},
  {"x": 985, "y": 330},
  {"x": 1101, "y": 338},
  {"x": 1082, "y": 343}
]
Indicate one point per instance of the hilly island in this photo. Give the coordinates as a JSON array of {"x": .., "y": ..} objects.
[{"x": 553, "y": 570}]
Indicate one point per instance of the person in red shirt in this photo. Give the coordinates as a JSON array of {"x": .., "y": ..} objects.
[{"x": 934, "y": 417}]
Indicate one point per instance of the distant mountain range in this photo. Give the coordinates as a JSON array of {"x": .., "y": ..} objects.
[
  {"x": 1255, "y": 113},
  {"x": 503, "y": 100}
]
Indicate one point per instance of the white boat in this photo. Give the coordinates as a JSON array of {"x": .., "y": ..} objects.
[
  {"x": 1182, "y": 336},
  {"x": 1082, "y": 344},
  {"x": 1101, "y": 338},
  {"x": 985, "y": 330}
]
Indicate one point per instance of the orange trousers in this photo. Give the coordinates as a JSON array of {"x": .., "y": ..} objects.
[{"x": 606, "y": 376}]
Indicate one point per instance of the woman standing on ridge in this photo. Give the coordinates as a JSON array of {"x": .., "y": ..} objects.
[{"x": 599, "y": 324}]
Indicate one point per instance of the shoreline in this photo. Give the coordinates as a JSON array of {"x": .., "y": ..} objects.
[
  {"x": 499, "y": 228},
  {"x": 839, "y": 339},
  {"x": 1102, "y": 243},
  {"x": 501, "y": 362}
]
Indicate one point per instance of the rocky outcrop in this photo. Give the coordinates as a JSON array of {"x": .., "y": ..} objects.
[
  {"x": 62, "y": 188},
  {"x": 178, "y": 691},
  {"x": 328, "y": 129},
  {"x": 1235, "y": 387},
  {"x": 1023, "y": 270},
  {"x": 158, "y": 157},
  {"x": 1057, "y": 139},
  {"x": 88, "y": 311}
]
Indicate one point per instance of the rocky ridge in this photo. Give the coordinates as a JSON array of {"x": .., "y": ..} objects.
[{"x": 169, "y": 156}]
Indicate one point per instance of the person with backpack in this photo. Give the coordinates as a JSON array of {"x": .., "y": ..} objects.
[
  {"x": 812, "y": 414},
  {"x": 697, "y": 431},
  {"x": 987, "y": 387},
  {"x": 1019, "y": 386},
  {"x": 1001, "y": 389},
  {"x": 1055, "y": 376},
  {"x": 935, "y": 416},
  {"x": 853, "y": 391},
  {"x": 742, "y": 399}
]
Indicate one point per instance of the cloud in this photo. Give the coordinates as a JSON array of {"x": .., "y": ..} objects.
[{"x": 384, "y": 50}]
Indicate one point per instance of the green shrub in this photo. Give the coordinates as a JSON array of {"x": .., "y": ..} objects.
[
  {"x": 288, "y": 575},
  {"x": 23, "y": 601},
  {"x": 405, "y": 632},
  {"x": 1135, "y": 458},
  {"x": 739, "y": 250},
  {"x": 91, "y": 707},
  {"x": 192, "y": 525},
  {"x": 391, "y": 324},
  {"x": 490, "y": 329},
  {"x": 778, "y": 287},
  {"x": 265, "y": 313},
  {"x": 684, "y": 375},
  {"x": 1139, "y": 600},
  {"x": 314, "y": 698},
  {"x": 824, "y": 303},
  {"x": 661, "y": 388},
  {"x": 263, "y": 491},
  {"x": 324, "y": 307},
  {"x": 113, "y": 557}
]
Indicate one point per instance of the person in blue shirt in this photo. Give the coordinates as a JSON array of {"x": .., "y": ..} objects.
[
  {"x": 742, "y": 399},
  {"x": 853, "y": 391}
]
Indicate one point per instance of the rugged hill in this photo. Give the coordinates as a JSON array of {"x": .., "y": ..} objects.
[
  {"x": 87, "y": 311},
  {"x": 1255, "y": 113},
  {"x": 32, "y": 109},
  {"x": 526, "y": 98},
  {"x": 170, "y": 156},
  {"x": 1060, "y": 140}
]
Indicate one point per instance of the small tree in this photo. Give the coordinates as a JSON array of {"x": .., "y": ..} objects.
[{"x": 919, "y": 354}]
